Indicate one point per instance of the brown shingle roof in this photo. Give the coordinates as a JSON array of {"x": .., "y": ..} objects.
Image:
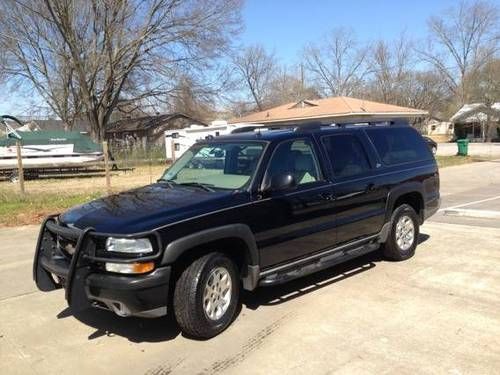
[{"x": 337, "y": 107}]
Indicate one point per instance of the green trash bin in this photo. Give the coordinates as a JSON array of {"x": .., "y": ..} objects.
[{"x": 463, "y": 147}]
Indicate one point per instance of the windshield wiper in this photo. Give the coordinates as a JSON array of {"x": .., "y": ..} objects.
[
  {"x": 206, "y": 187},
  {"x": 170, "y": 183}
]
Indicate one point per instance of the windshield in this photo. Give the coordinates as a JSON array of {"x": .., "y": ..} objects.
[{"x": 217, "y": 165}]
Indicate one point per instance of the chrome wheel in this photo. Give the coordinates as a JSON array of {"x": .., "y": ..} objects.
[
  {"x": 217, "y": 293},
  {"x": 405, "y": 232}
]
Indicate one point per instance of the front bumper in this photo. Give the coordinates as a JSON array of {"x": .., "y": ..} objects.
[{"x": 86, "y": 283}]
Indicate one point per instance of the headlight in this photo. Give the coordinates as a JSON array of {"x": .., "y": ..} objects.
[{"x": 130, "y": 246}]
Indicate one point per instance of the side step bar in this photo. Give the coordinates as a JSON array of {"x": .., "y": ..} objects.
[{"x": 317, "y": 262}]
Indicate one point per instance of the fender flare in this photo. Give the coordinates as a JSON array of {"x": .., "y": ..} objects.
[
  {"x": 395, "y": 193},
  {"x": 241, "y": 231}
]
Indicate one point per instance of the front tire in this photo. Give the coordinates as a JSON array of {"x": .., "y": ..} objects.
[
  {"x": 403, "y": 238},
  {"x": 206, "y": 296}
]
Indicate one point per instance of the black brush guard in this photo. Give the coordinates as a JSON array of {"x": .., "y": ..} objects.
[
  {"x": 71, "y": 272},
  {"x": 54, "y": 269}
]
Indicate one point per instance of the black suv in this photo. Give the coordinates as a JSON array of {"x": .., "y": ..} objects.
[{"x": 241, "y": 211}]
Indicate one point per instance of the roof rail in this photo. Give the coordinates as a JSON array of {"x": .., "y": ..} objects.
[
  {"x": 308, "y": 127},
  {"x": 388, "y": 122}
]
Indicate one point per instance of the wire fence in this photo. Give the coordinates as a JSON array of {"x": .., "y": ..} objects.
[{"x": 120, "y": 167}]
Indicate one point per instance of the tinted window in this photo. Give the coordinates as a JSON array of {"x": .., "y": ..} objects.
[
  {"x": 347, "y": 155},
  {"x": 399, "y": 145},
  {"x": 295, "y": 157}
]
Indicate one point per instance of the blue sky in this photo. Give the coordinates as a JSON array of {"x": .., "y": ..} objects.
[{"x": 286, "y": 26}]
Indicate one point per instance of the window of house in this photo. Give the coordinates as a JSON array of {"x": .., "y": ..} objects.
[
  {"x": 433, "y": 127},
  {"x": 347, "y": 155},
  {"x": 177, "y": 146}
]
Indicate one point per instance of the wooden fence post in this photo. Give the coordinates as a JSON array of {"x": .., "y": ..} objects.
[
  {"x": 20, "y": 170},
  {"x": 106, "y": 166},
  {"x": 172, "y": 149}
]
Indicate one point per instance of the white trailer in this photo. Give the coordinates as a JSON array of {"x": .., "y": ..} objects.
[{"x": 177, "y": 141}]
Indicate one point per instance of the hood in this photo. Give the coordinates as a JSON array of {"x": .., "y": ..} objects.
[{"x": 146, "y": 208}]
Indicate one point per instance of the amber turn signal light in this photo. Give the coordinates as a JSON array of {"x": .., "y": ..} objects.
[{"x": 130, "y": 268}]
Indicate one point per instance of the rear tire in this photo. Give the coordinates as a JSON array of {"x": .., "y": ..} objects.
[
  {"x": 403, "y": 237},
  {"x": 206, "y": 296}
]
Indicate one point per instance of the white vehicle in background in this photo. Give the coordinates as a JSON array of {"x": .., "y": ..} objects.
[{"x": 177, "y": 141}]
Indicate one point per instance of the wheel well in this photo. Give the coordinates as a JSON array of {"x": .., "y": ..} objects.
[
  {"x": 234, "y": 248},
  {"x": 414, "y": 199}
]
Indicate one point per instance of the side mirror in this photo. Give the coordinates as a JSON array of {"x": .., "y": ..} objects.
[{"x": 281, "y": 181}]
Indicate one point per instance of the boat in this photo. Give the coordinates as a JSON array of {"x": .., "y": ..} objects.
[{"x": 54, "y": 149}]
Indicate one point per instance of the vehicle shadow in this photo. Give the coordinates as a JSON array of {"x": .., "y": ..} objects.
[
  {"x": 166, "y": 328},
  {"x": 275, "y": 295},
  {"x": 422, "y": 237},
  {"x": 134, "y": 329}
]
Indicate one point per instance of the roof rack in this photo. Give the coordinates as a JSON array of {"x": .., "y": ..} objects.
[
  {"x": 382, "y": 122},
  {"x": 308, "y": 127},
  {"x": 318, "y": 125}
]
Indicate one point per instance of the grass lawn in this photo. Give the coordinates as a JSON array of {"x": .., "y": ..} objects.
[
  {"x": 52, "y": 195},
  {"x": 15, "y": 210},
  {"x": 449, "y": 161}
]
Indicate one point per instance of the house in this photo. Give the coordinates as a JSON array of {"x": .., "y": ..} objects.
[
  {"x": 329, "y": 110},
  {"x": 477, "y": 121},
  {"x": 146, "y": 130},
  {"x": 438, "y": 130}
]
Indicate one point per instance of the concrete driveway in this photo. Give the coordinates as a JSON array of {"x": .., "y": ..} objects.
[
  {"x": 470, "y": 195},
  {"x": 436, "y": 313}
]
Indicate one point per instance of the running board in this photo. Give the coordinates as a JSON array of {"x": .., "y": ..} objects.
[{"x": 307, "y": 266}]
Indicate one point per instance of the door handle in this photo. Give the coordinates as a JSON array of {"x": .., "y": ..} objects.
[
  {"x": 371, "y": 187},
  {"x": 327, "y": 197}
]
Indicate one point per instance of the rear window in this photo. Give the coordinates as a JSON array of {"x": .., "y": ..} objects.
[
  {"x": 347, "y": 155},
  {"x": 399, "y": 145}
]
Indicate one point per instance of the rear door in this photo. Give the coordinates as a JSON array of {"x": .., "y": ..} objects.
[{"x": 359, "y": 200}]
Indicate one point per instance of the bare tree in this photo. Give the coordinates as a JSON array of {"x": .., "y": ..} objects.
[
  {"x": 461, "y": 42},
  {"x": 192, "y": 99},
  {"x": 36, "y": 54},
  {"x": 289, "y": 85},
  {"x": 391, "y": 66},
  {"x": 485, "y": 83},
  {"x": 338, "y": 66},
  {"x": 425, "y": 90},
  {"x": 255, "y": 69},
  {"x": 485, "y": 88},
  {"x": 112, "y": 51}
]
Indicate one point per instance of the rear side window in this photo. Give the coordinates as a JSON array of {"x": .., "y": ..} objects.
[
  {"x": 399, "y": 145},
  {"x": 347, "y": 155}
]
